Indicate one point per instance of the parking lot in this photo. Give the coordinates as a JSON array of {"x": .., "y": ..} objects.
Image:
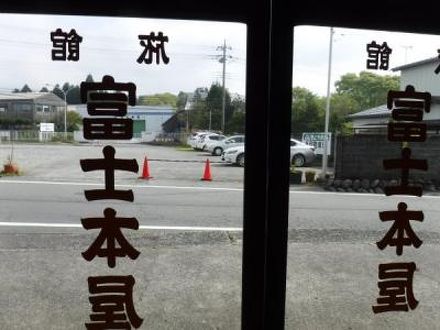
[{"x": 167, "y": 164}]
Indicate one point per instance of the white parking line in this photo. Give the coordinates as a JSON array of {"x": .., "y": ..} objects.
[
  {"x": 73, "y": 225},
  {"x": 61, "y": 183},
  {"x": 205, "y": 188}
]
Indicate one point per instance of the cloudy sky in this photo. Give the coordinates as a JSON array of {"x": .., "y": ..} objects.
[
  {"x": 111, "y": 46},
  {"x": 311, "y": 50}
]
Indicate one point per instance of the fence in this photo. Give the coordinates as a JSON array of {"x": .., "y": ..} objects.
[
  {"x": 171, "y": 138},
  {"x": 35, "y": 136},
  {"x": 361, "y": 156}
]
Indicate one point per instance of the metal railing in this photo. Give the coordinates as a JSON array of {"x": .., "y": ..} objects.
[{"x": 34, "y": 136}]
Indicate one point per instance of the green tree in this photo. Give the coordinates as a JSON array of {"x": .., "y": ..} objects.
[
  {"x": 367, "y": 89},
  {"x": 44, "y": 90},
  {"x": 235, "y": 123},
  {"x": 214, "y": 104},
  {"x": 58, "y": 92},
  {"x": 199, "y": 115},
  {"x": 74, "y": 120},
  {"x": 158, "y": 99},
  {"x": 307, "y": 112},
  {"x": 341, "y": 105},
  {"x": 26, "y": 89},
  {"x": 202, "y": 110},
  {"x": 89, "y": 78},
  {"x": 181, "y": 100}
]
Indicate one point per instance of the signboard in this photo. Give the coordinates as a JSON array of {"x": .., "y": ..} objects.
[
  {"x": 317, "y": 140},
  {"x": 47, "y": 127}
]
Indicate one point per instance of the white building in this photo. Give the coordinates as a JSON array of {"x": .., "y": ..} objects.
[
  {"x": 147, "y": 120},
  {"x": 419, "y": 74}
]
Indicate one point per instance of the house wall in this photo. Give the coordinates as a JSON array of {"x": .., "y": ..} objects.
[
  {"x": 357, "y": 122},
  {"x": 361, "y": 156},
  {"x": 422, "y": 77},
  {"x": 153, "y": 120},
  {"x": 16, "y": 109}
]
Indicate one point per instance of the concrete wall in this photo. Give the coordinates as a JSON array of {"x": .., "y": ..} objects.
[{"x": 361, "y": 156}]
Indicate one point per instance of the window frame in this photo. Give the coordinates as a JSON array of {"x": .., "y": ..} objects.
[{"x": 268, "y": 111}]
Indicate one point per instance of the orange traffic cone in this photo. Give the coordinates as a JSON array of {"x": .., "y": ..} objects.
[
  {"x": 207, "y": 174},
  {"x": 145, "y": 171}
]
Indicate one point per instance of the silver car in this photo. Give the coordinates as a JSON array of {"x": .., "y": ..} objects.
[
  {"x": 234, "y": 155},
  {"x": 218, "y": 147},
  {"x": 300, "y": 153}
]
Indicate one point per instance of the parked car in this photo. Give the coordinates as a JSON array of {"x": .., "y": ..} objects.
[
  {"x": 203, "y": 140},
  {"x": 216, "y": 148},
  {"x": 301, "y": 153},
  {"x": 234, "y": 155},
  {"x": 192, "y": 139}
]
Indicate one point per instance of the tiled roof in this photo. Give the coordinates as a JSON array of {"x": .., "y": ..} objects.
[
  {"x": 383, "y": 111},
  {"x": 380, "y": 111}
]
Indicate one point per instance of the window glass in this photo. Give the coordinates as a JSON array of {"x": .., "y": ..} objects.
[
  {"x": 363, "y": 229},
  {"x": 183, "y": 215}
]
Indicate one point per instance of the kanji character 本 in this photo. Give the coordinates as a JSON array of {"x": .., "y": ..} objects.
[
  {"x": 396, "y": 287},
  {"x": 405, "y": 163},
  {"x": 400, "y": 227},
  {"x": 150, "y": 48},
  {"x": 378, "y": 53},
  {"x": 62, "y": 39},
  {"x": 110, "y": 227},
  {"x": 109, "y": 164},
  {"x": 112, "y": 303}
]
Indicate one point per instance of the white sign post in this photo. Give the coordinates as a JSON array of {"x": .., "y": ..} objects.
[
  {"x": 317, "y": 140},
  {"x": 46, "y": 131},
  {"x": 47, "y": 127}
]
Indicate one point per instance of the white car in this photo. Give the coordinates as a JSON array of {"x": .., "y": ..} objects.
[
  {"x": 216, "y": 148},
  {"x": 300, "y": 154},
  {"x": 234, "y": 155},
  {"x": 203, "y": 140},
  {"x": 192, "y": 139}
]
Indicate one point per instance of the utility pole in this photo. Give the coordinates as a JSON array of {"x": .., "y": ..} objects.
[
  {"x": 223, "y": 59},
  {"x": 327, "y": 106}
]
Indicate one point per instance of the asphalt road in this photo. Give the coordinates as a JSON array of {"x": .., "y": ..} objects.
[
  {"x": 188, "y": 275},
  {"x": 200, "y": 206}
]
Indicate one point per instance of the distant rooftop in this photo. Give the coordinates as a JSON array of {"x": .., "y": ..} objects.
[
  {"x": 137, "y": 109},
  {"x": 382, "y": 110},
  {"x": 23, "y": 96},
  {"x": 414, "y": 64}
]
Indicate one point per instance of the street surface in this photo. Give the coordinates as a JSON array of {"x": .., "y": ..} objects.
[{"x": 188, "y": 275}]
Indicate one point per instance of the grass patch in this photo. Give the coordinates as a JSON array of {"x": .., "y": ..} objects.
[{"x": 184, "y": 147}]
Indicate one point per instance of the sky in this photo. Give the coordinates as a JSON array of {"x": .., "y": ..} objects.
[
  {"x": 111, "y": 46},
  {"x": 349, "y": 55}
]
